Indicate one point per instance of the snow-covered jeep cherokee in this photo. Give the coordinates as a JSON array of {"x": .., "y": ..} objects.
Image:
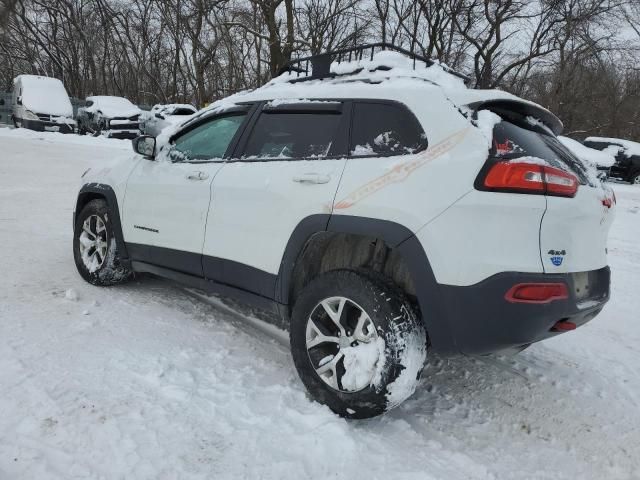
[{"x": 381, "y": 209}]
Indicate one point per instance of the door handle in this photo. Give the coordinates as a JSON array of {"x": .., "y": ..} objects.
[
  {"x": 197, "y": 176},
  {"x": 312, "y": 178}
]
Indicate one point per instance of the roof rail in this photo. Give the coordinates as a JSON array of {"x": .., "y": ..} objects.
[{"x": 314, "y": 67}]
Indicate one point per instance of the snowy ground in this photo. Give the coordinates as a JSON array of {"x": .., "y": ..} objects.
[{"x": 144, "y": 381}]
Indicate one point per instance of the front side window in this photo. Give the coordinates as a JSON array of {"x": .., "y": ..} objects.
[
  {"x": 288, "y": 135},
  {"x": 384, "y": 129},
  {"x": 207, "y": 141}
]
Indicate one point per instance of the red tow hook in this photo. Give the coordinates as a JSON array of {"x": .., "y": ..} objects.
[
  {"x": 563, "y": 326},
  {"x": 607, "y": 202}
]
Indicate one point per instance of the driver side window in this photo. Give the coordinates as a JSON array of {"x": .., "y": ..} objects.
[{"x": 208, "y": 141}]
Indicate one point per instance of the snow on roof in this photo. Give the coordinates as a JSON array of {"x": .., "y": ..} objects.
[
  {"x": 594, "y": 157},
  {"x": 44, "y": 95},
  {"x": 397, "y": 79},
  {"x": 112, "y": 106},
  {"x": 631, "y": 148}
]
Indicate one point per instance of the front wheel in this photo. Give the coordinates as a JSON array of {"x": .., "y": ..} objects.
[
  {"x": 94, "y": 246},
  {"x": 635, "y": 178},
  {"x": 356, "y": 343}
]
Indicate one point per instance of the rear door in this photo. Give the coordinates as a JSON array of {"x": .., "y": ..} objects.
[{"x": 287, "y": 168}]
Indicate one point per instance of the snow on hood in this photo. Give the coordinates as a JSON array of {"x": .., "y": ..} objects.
[
  {"x": 169, "y": 108},
  {"x": 594, "y": 157},
  {"x": 113, "y": 106},
  {"x": 630, "y": 148},
  {"x": 45, "y": 95}
]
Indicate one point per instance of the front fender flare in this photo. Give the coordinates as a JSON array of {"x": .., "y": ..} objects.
[{"x": 90, "y": 191}]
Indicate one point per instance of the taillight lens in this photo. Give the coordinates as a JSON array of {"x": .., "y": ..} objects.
[
  {"x": 521, "y": 177},
  {"x": 537, "y": 293}
]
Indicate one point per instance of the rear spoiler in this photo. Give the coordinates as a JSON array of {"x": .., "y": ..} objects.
[{"x": 504, "y": 107}]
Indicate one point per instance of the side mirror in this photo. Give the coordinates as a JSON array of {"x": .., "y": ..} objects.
[
  {"x": 19, "y": 100},
  {"x": 144, "y": 145},
  {"x": 159, "y": 116},
  {"x": 88, "y": 103}
]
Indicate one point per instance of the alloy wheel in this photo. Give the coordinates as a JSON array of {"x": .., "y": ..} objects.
[
  {"x": 342, "y": 344},
  {"x": 93, "y": 242}
]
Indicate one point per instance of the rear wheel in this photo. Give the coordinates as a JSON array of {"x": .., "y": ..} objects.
[
  {"x": 356, "y": 343},
  {"x": 94, "y": 246}
]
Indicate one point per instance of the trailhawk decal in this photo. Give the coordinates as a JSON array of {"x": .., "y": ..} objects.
[
  {"x": 401, "y": 172},
  {"x": 147, "y": 229}
]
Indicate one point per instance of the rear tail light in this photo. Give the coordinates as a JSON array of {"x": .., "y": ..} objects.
[
  {"x": 521, "y": 177},
  {"x": 537, "y": 293}
]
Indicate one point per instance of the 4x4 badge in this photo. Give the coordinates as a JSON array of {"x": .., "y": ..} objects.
[{"x": 557, "y": 256}]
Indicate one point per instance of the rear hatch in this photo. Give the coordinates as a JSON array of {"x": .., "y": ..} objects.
[{"x": 579, "y": 209}]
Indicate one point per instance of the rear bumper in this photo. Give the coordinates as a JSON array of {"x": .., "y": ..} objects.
[
  {"x": 42, "y": 126},
  {"x": 482, "y": 321}
]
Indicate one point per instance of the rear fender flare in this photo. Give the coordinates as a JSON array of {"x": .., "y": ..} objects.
[{"x": 397, "y": 237}]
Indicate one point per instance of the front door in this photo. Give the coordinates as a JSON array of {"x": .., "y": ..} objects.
[{"x": 167, "y": 199}]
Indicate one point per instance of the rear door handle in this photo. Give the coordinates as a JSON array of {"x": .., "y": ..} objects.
[
  {"x": 312, "y": 178},
  {"x": 197, "y": 176}
]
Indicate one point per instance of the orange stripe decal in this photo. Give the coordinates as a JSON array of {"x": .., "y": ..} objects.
[{"x": 401, "y": 172}]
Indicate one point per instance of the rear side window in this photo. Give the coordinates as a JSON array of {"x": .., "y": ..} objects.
[
  {"x": 511, "y": 141},
  {"x": 289, "y": 135},
  {"x": 382, "y": 129}
]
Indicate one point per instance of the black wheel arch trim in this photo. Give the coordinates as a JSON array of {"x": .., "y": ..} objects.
[
  {"x": 397, "y": 236},
  {"x": 90, "y": 191}
]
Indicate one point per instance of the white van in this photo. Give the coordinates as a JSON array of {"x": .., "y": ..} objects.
[{"x": 42, "y": 104}]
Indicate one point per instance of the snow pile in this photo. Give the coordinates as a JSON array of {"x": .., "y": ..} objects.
[
  {"x": 630, "y": 148},
  {"x": 486, "y": 121},
  {"x": 155, "y": 384},
  {"x": 112, "y": 106},
  {"x": 68, "y": 139},
  {"x": 591, "y": 156},
  {"x": 45, "y": 95},
  {"x": 362, "y": 364}
]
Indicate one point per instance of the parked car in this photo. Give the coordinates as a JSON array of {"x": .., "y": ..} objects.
[
  {"x": 381, "y": 211},
  {"x": 42, "y": 104},
  {"x": 627, "y": 154},
  {"x": 162, "y": 116},
  {"x": 112, "y": 116}
]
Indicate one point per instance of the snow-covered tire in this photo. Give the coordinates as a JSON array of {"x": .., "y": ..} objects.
[
  {"x": 360, "y": 379},
  {"x": 634, "y": 178},
  {"x": 94, "y": 246}
]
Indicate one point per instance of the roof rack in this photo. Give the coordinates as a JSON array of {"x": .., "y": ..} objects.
[{"x": 316, "y": 67}]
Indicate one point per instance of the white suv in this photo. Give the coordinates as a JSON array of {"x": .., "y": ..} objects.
[{"x": 382, "y": 211}]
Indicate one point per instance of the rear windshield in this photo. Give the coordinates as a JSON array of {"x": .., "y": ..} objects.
[{"x": 513, "y": 140}]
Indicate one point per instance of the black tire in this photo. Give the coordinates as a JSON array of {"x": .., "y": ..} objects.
[
  {"x": 110, "y": 271},
  {"x": 634, "y": 178},
  {"x": 402, "y": 355}
]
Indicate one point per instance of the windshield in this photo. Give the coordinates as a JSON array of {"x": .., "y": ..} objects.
[{"x": 511, "y": 141}]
